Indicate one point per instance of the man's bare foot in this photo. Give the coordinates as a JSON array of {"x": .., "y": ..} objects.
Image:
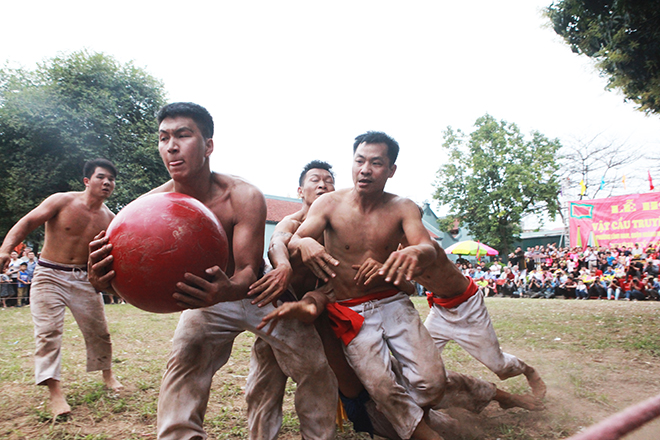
[
  {"x": 526, "y": 401},
  {"x": 111, "y": 382},
  {"x": 58, "y": 405},
  {"x": 535, "y": 382}
]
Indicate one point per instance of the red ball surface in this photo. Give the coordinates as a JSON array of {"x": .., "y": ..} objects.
[{"x": 155, "y": 240}]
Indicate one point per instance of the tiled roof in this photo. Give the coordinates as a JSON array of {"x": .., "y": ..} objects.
[{"x": 280, "y": 207}]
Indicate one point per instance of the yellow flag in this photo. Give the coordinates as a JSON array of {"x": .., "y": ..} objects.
[
  {"x": 583, "y": 187},
  {"x": 623, "y": 179}
]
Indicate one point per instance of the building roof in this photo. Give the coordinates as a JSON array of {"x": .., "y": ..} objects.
[
  {"x": 542, "y": 233},
  {"x": 280, "y": 207},
  {"x": 430, "y": 221}
]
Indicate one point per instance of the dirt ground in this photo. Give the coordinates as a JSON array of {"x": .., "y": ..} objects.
[{"x": 585, "y": 385}]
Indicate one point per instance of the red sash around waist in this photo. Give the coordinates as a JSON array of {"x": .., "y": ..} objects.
[
  {"x": 454, "y": 301},
  {"x": 345, "y": 322}
]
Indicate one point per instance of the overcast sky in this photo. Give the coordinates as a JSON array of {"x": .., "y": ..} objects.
[{"x": 292, "y": 81}]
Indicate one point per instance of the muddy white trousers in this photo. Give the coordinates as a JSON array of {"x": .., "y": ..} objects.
[
  {"x": 202, "y": 345},
  {"x": 393, "y": 325},
  {"x": 470, "y": 326},
  {"x": 52, "y": 291}
]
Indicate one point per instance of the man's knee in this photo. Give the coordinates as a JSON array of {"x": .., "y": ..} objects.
[
  {"x": 48, "y": 336},
  {"x": 429, "y": 392}
]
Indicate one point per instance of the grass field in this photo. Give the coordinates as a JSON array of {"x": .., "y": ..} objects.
[{"x": 597, "y": 357}]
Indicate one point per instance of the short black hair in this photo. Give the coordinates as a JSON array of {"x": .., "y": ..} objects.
[
  {"x": 312, "y": 165},
  {"x": 92, "y": 165},
  {"x": 196, "y": 112},
  {"x": 378, "y": 137}
]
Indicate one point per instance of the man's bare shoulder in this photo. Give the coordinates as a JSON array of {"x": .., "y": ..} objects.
[
  {"x": 64, "y": 197},
  {"x": 331, "y": 200},
  {"x": 398, "y": 200},
  {"x": 290, "y": 223},
  {"x": 165, "y": 187},
  {"x": 240, "y": 190},
  {"x": 61, "y": 201},
  {"x": 107, "y": 211}
]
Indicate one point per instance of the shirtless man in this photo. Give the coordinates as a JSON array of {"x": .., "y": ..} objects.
[
  {"x": 60, "y": 279},
  {"x": 220, "y": 309},
  {"x": 458, "y": 313},
  {"x": 268, "y": 373},
  {"x": 364, "y": 222},
  {"x": 462, "y": 391}
]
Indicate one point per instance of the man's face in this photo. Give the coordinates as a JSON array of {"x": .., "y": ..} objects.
[
  {"x": 182, "y": 147},
  {"x": 102, "y": 182},
  {"x": 317, "y": 182},
  {"x": 14, "y": 255},
  {"x": 371, "y": 168},
  {"x": 31, "y": 255}
]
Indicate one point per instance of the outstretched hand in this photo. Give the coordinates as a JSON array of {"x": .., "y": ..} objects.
[
  {"x": 400, "y": 266},
  {"x": 315, "y": 257},
  {"x": 271, "y": 286},
  {"x": 303, "y": 310},
  {"x": 99, "y": 263},
  {"x": 367, "y": 271},
  {"x": 306, "y": 310},
  {"x": 196, "y": 292}
]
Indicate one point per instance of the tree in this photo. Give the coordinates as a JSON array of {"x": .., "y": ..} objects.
[
  {"x": 68, "y": 110},
  {"x": 495, "y": 177},
  {"x": 599, "y": 163},
  {"x": 623, "y": 36}
]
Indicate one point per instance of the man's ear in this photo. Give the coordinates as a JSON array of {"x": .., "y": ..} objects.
[
  {"x": 86, "y": 181},
  {"x": 392, "y": 170},
  {"x": 300, "y": 194},
  {"x": 208, "y": 144}
]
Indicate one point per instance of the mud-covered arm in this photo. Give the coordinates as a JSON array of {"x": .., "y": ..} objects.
[
  {"x": 247, "y": 250},
  {"x": 404, "y": 264},
  {"x": 274, "y": 283},
  {"x": 305, "y": 241}
]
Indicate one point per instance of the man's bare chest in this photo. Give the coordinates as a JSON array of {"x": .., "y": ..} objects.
[
  {"x": 79, "y": 223},
  {"x": 360, "y": 233}
]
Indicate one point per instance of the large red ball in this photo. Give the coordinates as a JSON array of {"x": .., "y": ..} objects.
[{"x": 155, "y": 240}]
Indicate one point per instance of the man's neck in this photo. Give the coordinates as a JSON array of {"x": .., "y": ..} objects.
[
  {"x": 303, "y": 211},
  {"x": 368, "y": 201},
  {"x": 91, "y": 201},
  {"x": 200, "y": 187}
]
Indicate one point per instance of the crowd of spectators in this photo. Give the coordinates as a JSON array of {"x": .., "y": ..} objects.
[
  {"x": 16, "y": 279},
  {"x": 540, "y": 272},
  {"x": 616, "y": 273}
]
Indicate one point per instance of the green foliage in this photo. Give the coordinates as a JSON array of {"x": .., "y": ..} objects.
[
  {"x": 68, "y": 110},
  {"x": 624, "y": 39},
  {"x": 446, "y": 224},
  {"x": 494, "y": 177}
]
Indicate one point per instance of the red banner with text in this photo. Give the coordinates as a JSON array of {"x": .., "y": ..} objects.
[{"x": 615, "y": 221}]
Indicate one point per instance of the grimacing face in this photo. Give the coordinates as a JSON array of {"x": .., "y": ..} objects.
[
  {"x": 182, "y": 147},
  {"x": 317, "y": 182}
]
